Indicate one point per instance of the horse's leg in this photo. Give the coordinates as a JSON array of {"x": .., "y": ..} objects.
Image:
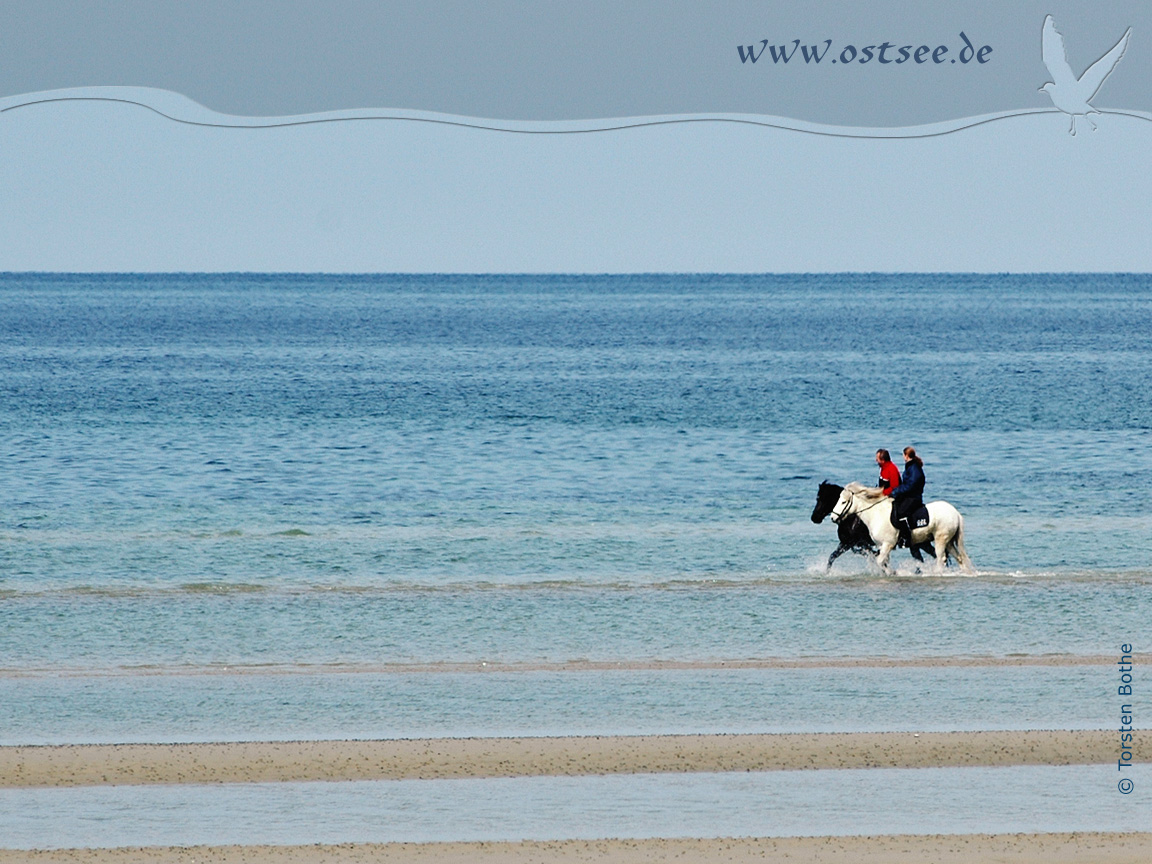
[
  {"x": 942, "y": 542},
  {"x": 836, "y": 553},
  {"x": 861, "y": 539},
  {"x": 882, "y": 557}
]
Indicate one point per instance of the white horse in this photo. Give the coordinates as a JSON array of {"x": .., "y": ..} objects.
[{"x": 945, "y": 525}]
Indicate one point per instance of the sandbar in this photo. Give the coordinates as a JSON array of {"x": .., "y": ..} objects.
[
  {"x": 441, "y": 758},
  {"x": 1071, "y": 848},
  {"x": 581, "y": 665}
]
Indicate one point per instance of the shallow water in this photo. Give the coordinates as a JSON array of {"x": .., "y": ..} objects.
[
  {"x": 769, "y": 804},
  {"x": 223, "y": 705},
  {"x": 914, "y": 617}
]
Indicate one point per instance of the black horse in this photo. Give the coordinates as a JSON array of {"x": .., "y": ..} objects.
[{"x": 853, "y": 533}]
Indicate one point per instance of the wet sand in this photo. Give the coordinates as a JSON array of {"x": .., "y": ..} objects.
[
  {"x": 439, "y": 758},
  {"x": 1078, "y": 848}
]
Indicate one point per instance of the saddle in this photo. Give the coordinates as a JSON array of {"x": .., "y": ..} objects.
[{"x": 916, "y": 519}]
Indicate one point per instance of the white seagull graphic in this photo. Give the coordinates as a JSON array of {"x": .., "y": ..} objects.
[{"x": 1070, "y": 94}]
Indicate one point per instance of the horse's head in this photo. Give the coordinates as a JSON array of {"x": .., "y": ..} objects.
[
  {"x": 826, "y": 497},
  {"x": 844, "y": 505}
]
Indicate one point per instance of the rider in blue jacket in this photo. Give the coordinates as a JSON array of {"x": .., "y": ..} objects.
[{"x": 908, "y": 497}]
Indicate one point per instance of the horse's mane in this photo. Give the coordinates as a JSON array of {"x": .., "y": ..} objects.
[{"x": 872, "y": 493}]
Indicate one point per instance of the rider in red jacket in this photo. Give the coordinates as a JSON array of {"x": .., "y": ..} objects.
[{"x": 889, "y": 473}]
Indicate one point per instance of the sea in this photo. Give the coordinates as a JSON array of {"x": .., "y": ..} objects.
[{"x": 275, "y": 507}]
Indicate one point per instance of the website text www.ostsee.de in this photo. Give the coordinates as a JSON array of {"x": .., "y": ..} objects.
[{"x": 796, "y": 53}]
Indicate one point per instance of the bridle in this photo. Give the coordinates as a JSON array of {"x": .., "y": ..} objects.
[{"x": 836, "y": 517}]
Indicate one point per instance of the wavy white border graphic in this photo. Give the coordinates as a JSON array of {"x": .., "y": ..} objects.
[{"x": 181, "y": 109}]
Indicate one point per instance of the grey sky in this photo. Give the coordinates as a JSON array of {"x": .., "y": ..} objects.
[{"x": 530, "y": 59}]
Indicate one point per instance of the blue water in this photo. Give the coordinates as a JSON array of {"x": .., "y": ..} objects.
[{"x": 300, "y": 472}]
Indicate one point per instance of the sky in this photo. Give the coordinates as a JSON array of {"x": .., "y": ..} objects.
[{"x": 91, "y": 185}]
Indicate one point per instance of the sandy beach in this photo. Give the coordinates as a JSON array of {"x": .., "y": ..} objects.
[
  {"x": 1076, "y": 848},
  {"x": 440, "y": 758}
]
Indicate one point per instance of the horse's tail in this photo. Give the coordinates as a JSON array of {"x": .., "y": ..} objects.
[{"x": 956, "y": 545}]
